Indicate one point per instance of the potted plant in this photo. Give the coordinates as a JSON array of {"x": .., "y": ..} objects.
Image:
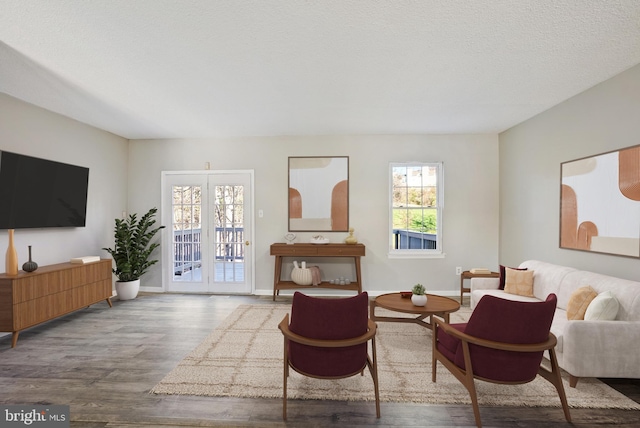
[
  {"x": 418, "y": 298},
  {"x": 132, "y": 250}
]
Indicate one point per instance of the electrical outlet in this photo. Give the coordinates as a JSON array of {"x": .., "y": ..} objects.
[{"x": 458, "y": 270}]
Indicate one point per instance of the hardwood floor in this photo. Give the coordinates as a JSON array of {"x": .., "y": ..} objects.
[{"x": 102, "y": 362}]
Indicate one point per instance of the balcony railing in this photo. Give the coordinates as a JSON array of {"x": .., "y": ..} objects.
[
  {"x": 411, "y": 240},
  {"x": 187, "y": 247}
]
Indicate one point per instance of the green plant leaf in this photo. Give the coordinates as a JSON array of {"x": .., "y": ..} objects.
[{"x": 133, "y": 245}]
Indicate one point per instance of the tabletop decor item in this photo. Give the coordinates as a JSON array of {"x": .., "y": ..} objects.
[
  {"x": 319, "y": 239},
  {"x": 30, "y": 266},
  {"x": 350, "y": 239},
  {"x": 419, "y": 298},
  {"x": 11, "y": 258},
  {"x": 290, "y": 237}
]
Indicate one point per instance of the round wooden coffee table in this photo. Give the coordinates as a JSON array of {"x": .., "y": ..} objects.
[{"x": 436, "y": 305}]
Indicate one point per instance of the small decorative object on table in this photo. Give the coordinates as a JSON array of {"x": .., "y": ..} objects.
[
  {"x": 30, "y": 266},
  {"x": 319, "y": 239},
  {"x": 350, "y": 239},
  {"x": 419, "y": 298},
  {"x": 290, "y": 237},
  {"x": 11, "y": 260}
]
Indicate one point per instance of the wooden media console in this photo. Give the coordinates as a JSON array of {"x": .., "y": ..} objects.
[{"x": 28, "y": 299}]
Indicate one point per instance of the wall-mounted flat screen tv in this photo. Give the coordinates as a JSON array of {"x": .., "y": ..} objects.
[{"x": 37, "y": 193}]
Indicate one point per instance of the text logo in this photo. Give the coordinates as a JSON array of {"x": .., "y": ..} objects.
[{"x": 34, "y": 416}]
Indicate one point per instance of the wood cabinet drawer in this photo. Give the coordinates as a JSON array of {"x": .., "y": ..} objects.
[
  {"x": 293, "y": 250},
  {"x": 346, "y": 250}
]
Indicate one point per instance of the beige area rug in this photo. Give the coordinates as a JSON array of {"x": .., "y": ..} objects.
[{"x": 243, "y": 358}]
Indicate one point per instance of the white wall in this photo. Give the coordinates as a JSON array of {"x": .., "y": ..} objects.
[
  {"x": 603, "y": 118},
  {"x": 470, "y": 211},
  {"x": 30, "y": 130}
]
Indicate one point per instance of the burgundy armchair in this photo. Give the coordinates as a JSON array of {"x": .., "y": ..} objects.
[
  {"x": 503, "y": 342},
  {"x": 327, "y": 339}
]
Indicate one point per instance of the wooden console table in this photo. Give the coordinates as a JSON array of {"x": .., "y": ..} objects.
[
  {"x": 468, "y": 275},
  {"x": 27, "y": 299},
  {"x": 281, "y": 251}
]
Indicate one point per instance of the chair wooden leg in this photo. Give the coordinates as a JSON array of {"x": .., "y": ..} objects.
[
  {"x": 470, "y": 384},
  {"x": 474, "y": 403},
  {"x": 373, "y": 367},
  {"x": 434, "y": 346},
  {"x": 285, "y": 374},
  {"x": 555, "y": 378}
]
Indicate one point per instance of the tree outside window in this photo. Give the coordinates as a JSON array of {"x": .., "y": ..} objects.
[{"x": 416, "y": 190}]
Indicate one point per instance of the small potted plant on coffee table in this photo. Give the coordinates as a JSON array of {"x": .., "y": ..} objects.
[{"x": 419, "y": 298}]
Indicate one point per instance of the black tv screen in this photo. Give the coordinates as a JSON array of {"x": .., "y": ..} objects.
[{"x": 37, "y": 192}]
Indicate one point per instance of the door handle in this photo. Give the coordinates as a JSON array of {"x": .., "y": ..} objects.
[{"x": 246, "y": 243}]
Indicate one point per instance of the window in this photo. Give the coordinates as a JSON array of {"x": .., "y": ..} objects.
[{"x": 415, "y": 209}]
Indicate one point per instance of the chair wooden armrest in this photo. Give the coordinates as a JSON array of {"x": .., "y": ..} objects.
[
  {"x": 531, "y": 347},
  {"x": 322, "y": 343}
]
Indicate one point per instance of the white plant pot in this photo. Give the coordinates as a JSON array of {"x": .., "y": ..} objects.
[
  {"x": 419, "y": 299},
  {"x": 127, "y": 290}
]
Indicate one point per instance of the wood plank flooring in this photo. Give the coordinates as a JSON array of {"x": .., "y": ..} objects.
[{"x": 103, "y": 362}]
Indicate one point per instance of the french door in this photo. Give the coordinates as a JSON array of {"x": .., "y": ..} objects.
[{"x": 209, "y": 247}]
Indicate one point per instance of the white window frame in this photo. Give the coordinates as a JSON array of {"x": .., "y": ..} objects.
[{"x": 419, "y": 253}]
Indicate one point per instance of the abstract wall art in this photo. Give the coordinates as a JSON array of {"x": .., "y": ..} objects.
[{"x": 600, "y": 203}]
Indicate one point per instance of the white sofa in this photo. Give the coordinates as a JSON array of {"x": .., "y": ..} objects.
[{"x": 605, "y": 349}]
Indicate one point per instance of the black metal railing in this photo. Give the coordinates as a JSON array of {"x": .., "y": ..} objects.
[
  {"x": 187, "y": 254},
  {"x": 404, "y": 239}
]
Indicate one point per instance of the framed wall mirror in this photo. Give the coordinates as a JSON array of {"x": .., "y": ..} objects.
[{"x": 319, "y": 194}]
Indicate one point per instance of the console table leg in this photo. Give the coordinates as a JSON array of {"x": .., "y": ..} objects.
[
  {"x": 109, "y": 302},
  {"x": 14, "y": 339},
  {"x": 276, "y": 276},
  {"x": 358, "y": 273}
]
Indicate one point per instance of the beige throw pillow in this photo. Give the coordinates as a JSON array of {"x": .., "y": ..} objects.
[
  {"x": 519, "y": 282},
  {"x": 579, "y": 302}
]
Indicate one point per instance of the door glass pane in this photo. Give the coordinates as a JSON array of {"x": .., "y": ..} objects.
[
  {"x": 229, "y": 234},
  {"x": 186, "y": 208}
]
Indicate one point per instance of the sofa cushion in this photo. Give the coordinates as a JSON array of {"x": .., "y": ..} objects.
[
  {"x": 476, "y": 295},
  {"x": 519, "y": 282},
  {"x": 603, "y": 307},
  {"x": 557, "y": 327},
  {"x": 547, "y": 279},
  {"x": 503, "y": 275},
  {"x": 579, "y": 301}
]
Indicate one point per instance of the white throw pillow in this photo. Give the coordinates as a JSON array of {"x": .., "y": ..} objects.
[{"x": 603, "y": 307}]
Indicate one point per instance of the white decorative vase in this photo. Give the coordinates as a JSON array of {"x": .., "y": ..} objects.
[
  {"x": 301, "y": 275},
  {"x": 127, "y": 290},
  {"x": 419, "y": 299}
]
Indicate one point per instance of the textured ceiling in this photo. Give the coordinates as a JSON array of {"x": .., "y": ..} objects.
[{"x": 209, "y": 68}]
